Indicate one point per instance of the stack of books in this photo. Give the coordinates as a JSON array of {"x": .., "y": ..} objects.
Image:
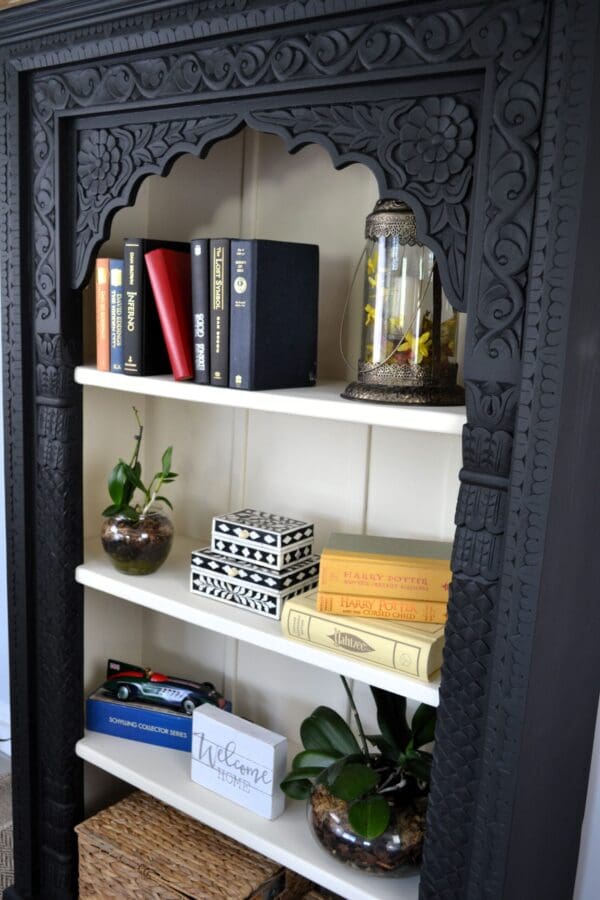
[
  {"x": 226, "y": 312},
  {"x": 379, "y": 599},
  {"x": 256, "y": 560}
]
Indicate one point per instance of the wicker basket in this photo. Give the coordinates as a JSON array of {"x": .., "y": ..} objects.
[{"x": 140, "y": 848}]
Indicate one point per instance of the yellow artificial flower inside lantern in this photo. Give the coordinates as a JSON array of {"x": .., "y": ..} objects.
[{"x": 409, "y": 339}]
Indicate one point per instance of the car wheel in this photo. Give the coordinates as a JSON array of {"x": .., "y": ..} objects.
[
  {"x": 123, "y": 692},
  {"x": 188, "y": 706}
]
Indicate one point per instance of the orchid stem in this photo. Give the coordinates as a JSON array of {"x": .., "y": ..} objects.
[{"x": 363, "y": 738}]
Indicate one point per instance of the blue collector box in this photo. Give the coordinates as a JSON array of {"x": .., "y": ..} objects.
[{"x": 139, "y": 722}]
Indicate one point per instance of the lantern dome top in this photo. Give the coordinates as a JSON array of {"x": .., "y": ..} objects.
[{"x": 392, "y": 218}]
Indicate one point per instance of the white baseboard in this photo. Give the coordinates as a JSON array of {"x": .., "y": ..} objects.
[{"x": 5, "y": 727}]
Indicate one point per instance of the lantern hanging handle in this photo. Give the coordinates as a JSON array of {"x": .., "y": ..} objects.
[{"x": 345, "y": 310}]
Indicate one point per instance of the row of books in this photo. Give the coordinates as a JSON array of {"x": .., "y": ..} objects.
[
  {"x": 221, "y": 311},
  {"x": 382, "y": 600}
]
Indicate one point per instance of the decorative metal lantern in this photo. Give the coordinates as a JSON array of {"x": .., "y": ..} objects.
[{"x": 409, "y": 333}]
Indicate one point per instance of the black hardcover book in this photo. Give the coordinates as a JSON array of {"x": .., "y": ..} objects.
[
  {"x": 144, "y": 348},
  {"x": 201, "y": 309},
  {"x": 219, "y": 311},
  {"x": 274, "y": 314}
]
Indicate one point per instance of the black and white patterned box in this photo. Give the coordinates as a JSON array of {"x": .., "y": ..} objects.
[
  {"x": 272, "y": 541},
  {"x": 250, "y": 586}
]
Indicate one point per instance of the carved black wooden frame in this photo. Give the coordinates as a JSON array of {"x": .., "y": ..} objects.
[{"x": 95, "y": 95}]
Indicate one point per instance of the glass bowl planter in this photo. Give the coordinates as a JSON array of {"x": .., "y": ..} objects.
[
  {"x": 395, "y": 853},
  {"x": 138, "y": 548}
]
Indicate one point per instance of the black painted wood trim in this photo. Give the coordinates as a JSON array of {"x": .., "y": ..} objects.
[
  {"x": 563, "y": 682},
  {"x": 504, "y": 219}
]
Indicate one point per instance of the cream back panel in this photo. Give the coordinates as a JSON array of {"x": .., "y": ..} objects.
[{"x": 341, "y": 476}]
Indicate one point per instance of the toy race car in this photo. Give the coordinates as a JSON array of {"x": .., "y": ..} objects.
[{"x": 126, "y": 682}]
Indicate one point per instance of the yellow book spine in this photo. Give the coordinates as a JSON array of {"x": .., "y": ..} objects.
[
  {"x": 407, "y": 654},
  {"x": 394, "y": 578},
  {"x": 382, "y": 608}
]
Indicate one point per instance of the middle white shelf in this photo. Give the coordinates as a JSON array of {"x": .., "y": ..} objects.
[{"x": 168, "y": 591}]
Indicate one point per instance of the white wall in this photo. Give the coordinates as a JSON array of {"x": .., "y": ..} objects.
[
  {"x": 587, "y": 886},
  {"x": 4, "y": 680}
]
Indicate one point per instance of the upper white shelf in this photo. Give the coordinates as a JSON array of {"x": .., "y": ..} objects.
[
  {"x": 322, "y": 401},
  {"x": 168, "y": 591},
  {"x": 166, "y": 775}
]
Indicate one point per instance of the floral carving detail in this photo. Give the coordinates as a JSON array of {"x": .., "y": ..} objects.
[
  {"x": 436, "y": 139},
  {"x": 98, "y": 162}
]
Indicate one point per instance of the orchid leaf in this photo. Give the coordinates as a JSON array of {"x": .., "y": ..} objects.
[
  {"x": 320, "y": 758},
  {"x": 296, "y": 786},
  {"x": 325, "y": 730},
  {"x": 391, "y": 718},
  {"x": 353, "y": 781},
  {"x": 423, "y": 725},
  {"x": 370, "y": 816}
]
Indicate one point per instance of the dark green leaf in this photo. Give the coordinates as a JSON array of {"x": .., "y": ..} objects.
[
  {"x": 130, "y": 513},
  {"x": 353, "y": 781},
  {"x": 133, "y": 476},
  {"x": 325, "y": 730},
  {"x": 166, "y": 461},
  {"x": 417, "y": 764},
  {"x": 304, "y": 772},
  {"x": 382, "y": 745},
  {"x": 297, "y": 789},
  {"x": 111, "y": 510},
  {"x": 314, "y": 758},
  {"x": 130, "y": 485},
  {"x": 164, "y": 500},
  {"x": 116, "y": 484},
  {"x": 329, "y": 775},
  {"x": 370, "y": 816},
  {"x": 391, "y": 718},
  {"x": 423, "y": 725}
]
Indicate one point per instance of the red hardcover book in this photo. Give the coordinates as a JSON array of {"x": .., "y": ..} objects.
[{"x": 169, "y": 272}]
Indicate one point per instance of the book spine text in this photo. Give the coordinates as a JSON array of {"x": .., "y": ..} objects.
[
  {"x": 102, "y": 315},
  {"x": 241, "y": 311},
  {"x": 382, "y": 608},
  {"x": 116, "y": 315},
  {"x": 132, "y": 324},
  {"x": 200, "y": 309},
  {"x": 375, "y": 578},
  {"x": 356, "y": 641},
  {"x": 219, "y": 312}
]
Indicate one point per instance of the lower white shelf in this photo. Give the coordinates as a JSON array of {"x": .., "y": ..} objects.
[
  {"x": 165, "y": 774},
  {"x": 168, "y": 592}
]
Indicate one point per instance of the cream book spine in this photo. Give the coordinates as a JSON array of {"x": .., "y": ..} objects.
[{"x": 407, "y": 647}]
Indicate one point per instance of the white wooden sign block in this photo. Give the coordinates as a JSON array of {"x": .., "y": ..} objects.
[{"x": 239, "y": 760}]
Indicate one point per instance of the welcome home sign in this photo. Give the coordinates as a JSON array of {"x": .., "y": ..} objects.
[{"x": 239, "y": 760}]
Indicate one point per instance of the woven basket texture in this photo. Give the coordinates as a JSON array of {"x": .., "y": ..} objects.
[{"x": 140, "y": 848}]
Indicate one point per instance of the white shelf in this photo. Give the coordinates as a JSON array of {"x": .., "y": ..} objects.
[
  {"x": 166, "y": 775},
  {"x": 322, "y": 401},
  {"x": 167, "y": 591}
]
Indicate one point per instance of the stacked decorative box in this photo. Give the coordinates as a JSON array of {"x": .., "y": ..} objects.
[{"x": 256, "y": 560}]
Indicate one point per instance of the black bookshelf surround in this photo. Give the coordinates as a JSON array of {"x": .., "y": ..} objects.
[{"x": 97, "y": 94}]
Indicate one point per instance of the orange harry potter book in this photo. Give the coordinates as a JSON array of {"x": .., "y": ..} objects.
[
  {"x": 382, "y": 608},
  {"x": 102, "y": 315},
  {"x": 366, "y": 565}
]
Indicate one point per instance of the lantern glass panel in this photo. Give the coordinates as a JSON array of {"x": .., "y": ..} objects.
[{"x": 400, "y": 285}]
